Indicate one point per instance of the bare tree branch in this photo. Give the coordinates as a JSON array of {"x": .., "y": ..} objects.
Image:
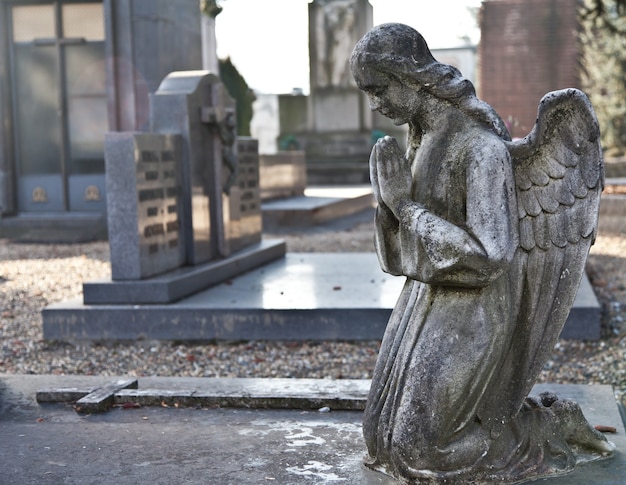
[{"x": 608, "y": 13}]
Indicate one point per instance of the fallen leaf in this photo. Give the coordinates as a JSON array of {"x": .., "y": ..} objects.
[
  {"x": 605, "y": 429},
  {"x": 131, "y": 405}
]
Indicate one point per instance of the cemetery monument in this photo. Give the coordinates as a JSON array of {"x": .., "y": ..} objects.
[
  {"x": 492, "y": 236},
  {"x": 184, "y": 203},
  {"x": 333, "y": 125}
]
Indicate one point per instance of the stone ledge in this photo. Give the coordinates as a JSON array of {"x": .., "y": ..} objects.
[
  {"x": 180, "y": 283},
  {"x": 318, "y": 205},
  {"x": 250, "y": 393}
]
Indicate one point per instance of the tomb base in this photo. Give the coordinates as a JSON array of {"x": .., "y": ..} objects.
[
  {"x": 303, "y": 296},
  {"x": 51, "y": 443},
  {"x": 182, "y": 282}
]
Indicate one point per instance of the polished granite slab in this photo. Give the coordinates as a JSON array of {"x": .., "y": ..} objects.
[{"x": 303, "y": 296}]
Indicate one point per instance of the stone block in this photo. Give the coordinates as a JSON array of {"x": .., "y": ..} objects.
[
  {"x": 282, "y": 175},
  {"x": 337, "y": 110}
]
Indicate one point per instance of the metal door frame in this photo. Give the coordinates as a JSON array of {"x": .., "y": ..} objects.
[{"x": 62, "y": 93}]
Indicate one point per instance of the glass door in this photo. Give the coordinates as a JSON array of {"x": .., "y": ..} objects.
[{"x": 60, "y": 109}]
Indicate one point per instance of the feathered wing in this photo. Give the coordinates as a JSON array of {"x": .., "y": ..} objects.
[{"x": 559, "y": 175}]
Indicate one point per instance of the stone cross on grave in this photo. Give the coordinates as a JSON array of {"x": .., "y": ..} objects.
[{"x": 196, "y": 105}]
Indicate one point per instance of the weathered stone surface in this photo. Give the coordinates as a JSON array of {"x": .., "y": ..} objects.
[
  {"x": 54, "y": 444},
  {"x": 345, "y": 394},
  {"x": 66, "y": 394},
  {"x": 149, "y": 397},
  {"x": 492, "y": 237}
]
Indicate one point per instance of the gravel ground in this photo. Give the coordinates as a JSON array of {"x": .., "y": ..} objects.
[{"x": 33, "y": 276}]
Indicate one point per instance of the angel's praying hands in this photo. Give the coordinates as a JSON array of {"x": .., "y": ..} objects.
[{"x": 390, "y": 174}]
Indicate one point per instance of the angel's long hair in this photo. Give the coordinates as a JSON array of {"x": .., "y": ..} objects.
[{"x": 399, "y": 50}]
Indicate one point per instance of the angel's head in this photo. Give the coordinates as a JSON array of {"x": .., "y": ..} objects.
[
  {"x": 394, "y": 66},
  {"x": 397, "y": 53}
]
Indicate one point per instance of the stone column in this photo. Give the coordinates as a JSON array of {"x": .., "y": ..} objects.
[{"x": 209, "y": 45}]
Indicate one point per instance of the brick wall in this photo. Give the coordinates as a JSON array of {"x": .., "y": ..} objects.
[{"x": 527, "y": 48}]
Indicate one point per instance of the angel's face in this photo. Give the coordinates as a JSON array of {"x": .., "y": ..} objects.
[{"x": 387, "y": 95}]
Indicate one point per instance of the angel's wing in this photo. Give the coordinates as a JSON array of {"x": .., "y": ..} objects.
[{"x": 559, "y": 175}]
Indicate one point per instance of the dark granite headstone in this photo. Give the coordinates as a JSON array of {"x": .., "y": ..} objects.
[
  {"x": 245, "y": 222},
  {"x": 144, "y": 202}
]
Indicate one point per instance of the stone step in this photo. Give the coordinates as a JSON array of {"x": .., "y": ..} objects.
[
  {"x": 317, "y": 206},
  {"x": 182, "y": 282}
]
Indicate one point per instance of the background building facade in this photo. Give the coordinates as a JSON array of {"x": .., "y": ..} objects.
[
  {"x": 527, "y": 48},
  {"x": 69, "y": 72}
]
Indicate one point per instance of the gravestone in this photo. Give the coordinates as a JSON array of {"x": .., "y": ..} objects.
[
  {"x": 340, "y": 123},
  {"x": 196, "y": 105},
  {"x": 283, "y": 174},
  {"x": 333, "y": 125},
  {"x": 245, "y": 222},
  {"x": 144, "y": 204},
  {"x": 184, "y": 202}
]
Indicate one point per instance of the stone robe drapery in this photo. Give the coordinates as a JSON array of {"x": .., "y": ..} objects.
[{"x": 454, "y": 318}]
